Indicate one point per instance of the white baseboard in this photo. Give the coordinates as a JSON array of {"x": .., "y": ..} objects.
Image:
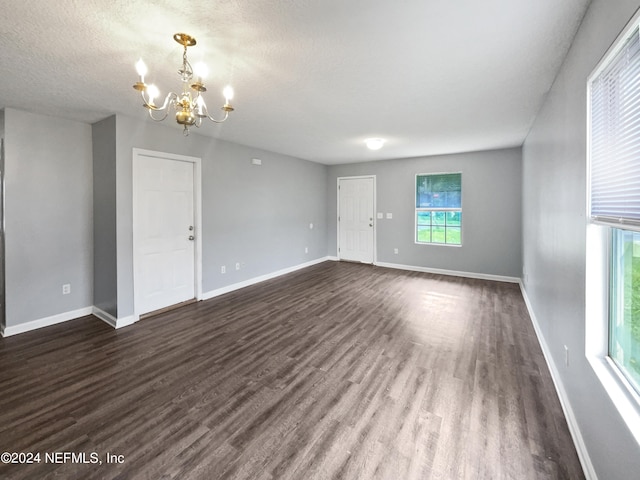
[
  {"x": 454, "y": 273},
  {"x": 572, "y": 422},
  {"x": 130, "y": 320},
  {"x": 45, "y": 322},
  {"x": 113, "y": 321},
  {"x": 126, "y": 321},
  {"x": 65, "y": 317},
  {"x": 252, "y": 281}
]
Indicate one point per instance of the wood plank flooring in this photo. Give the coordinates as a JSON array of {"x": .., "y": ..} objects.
[{"x": 338, "y": 371}]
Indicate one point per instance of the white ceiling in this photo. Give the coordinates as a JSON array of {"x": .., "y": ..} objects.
[{"x": 313, "y": 78}]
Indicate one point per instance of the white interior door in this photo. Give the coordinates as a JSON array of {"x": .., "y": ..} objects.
[
  {"x": 164, "y": 232},
  {"x": 355, "y": 219}
]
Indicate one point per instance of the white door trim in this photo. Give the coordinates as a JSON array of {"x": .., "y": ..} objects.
[
  {"x": 375, "y": 219},
  {"x": 197, "y": 213}
]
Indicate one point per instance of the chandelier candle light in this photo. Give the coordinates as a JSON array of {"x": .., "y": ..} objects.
[{"x": 190, "y": 107}]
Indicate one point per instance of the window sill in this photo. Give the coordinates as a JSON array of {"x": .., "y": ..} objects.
[
  {"x": 624, "y": 398},
  {"x": 438, "y": 244}
]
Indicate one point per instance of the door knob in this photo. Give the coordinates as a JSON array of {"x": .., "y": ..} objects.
[
  {"x": 190, "y": 228},
  {"x": 371, "y": 224},
  {"x": 191, "y": 237}
]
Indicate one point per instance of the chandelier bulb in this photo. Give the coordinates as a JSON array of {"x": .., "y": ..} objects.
[
  {"x": 152, "y": 92},
  {"x": 228, "y": 93},
  {"x": 200, "y": 104},
  {"x": 141, "y": 68},
  {"x": 200, "y": 70}
]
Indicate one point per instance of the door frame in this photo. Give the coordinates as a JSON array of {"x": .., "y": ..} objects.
[
  {"x": 197, "y": 217},
  {"x": 375, "y": 215}
]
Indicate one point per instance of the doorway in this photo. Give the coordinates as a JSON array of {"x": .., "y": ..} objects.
[
  {"x": 166, "y": 230},
  {"x": 356, "y": 225}
]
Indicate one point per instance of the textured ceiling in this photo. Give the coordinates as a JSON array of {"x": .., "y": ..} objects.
[{"x": 313, "y": 78}]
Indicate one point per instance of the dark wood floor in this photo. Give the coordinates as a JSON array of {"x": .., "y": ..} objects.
[{"x": 337, "y": 371}]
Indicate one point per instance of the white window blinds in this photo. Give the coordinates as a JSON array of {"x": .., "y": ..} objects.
[{"x": 615, "y": 138}]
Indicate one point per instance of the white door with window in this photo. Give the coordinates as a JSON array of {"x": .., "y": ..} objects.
[
  {"x": 164, "y": 230},
  {"x": 356, "y": 225}
]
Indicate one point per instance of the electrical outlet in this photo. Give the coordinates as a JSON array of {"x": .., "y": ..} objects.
[
  {"x": 306, "y": 249},
  {"x": 223, "y": 269},
  {"x": 237, "y": 266},
  {"x": 66, "y": 289},
  {"x": 395, "y": 250}
]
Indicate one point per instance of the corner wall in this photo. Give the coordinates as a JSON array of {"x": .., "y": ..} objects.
[
  {"x": 491, "y": 209},
  {"x": 554, "y": 231},
  {"x": 105, "y": 254},
  {"x": 48, "y": 217}
]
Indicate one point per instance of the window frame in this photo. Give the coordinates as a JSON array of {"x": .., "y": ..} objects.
[
  {"x": 428, "y": 209},
  {"x": 598, "y": 263},
  {"x": 597, "y": 323}
]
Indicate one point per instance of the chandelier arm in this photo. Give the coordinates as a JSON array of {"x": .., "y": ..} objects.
[
  {"x": 205, "y": 113},
  {"x": 166, "y": 112},
  {"x": 226, "y": 115},
  {"x": 170, "y": 98}
]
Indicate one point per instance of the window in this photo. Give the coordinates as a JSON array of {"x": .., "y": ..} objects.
[
  {"x": 624, "y": 305},
  {"x": 613, "y": 234},
  {"x": 439, "y": 208}
]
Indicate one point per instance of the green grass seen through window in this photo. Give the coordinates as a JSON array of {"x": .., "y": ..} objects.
[{"x": 443, "y": 227}]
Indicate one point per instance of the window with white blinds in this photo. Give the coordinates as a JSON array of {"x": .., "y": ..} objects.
[{"x": 615, "y": 138}]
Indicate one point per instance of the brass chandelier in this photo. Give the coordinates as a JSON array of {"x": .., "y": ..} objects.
[{"x": 189, "y": 105}]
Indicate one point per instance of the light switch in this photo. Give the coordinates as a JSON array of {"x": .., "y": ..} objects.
[
  {"x": 389, "y": 215},
  {"x": 380, "y": 215}
]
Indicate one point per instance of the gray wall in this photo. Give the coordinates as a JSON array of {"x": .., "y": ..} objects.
[
  {"x": 554, "y": 206},
  {"x": 48, "y": 216},
  {"x": 491, "y": 210},
  {"x": 105, "y": 258},
  {"x": 258, "y": 216}
]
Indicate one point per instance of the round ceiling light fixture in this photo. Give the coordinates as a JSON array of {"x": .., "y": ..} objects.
[{"x": 374, "y": 143}]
